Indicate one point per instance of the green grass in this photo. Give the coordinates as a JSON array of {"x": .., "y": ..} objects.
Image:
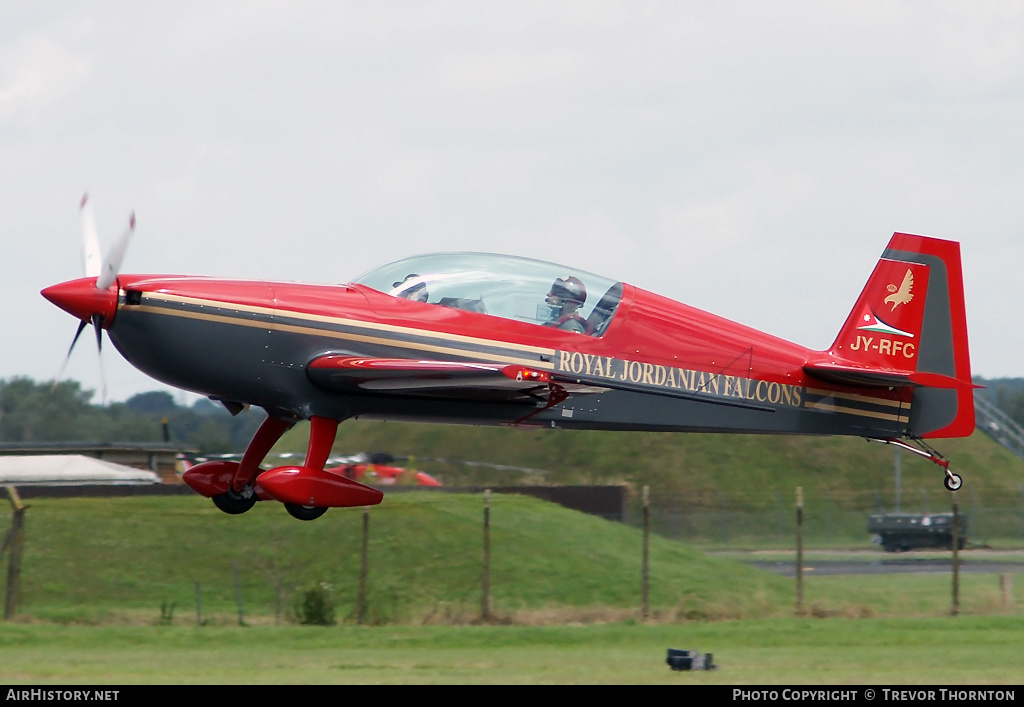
[
  {"x": 153, "y": 559},
  {"x": 937, "y": 651},
  {"x": 91, "y": 559}
]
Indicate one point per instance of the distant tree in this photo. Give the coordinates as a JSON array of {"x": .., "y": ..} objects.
[
  {"x": 42, "y": 412},
  {"x": 205, "y": 406},
  {"x": 1011, "y": 401},
  {"x": 157, "y": 402}
]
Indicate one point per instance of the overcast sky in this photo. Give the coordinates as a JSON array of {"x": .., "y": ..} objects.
[{"x": 748, "y": 158}]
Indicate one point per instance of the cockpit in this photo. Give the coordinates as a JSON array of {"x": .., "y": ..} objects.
[{"x": 510, "y": 287}]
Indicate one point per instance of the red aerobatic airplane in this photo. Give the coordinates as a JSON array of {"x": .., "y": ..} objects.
[{"x": 488, "y": 339}]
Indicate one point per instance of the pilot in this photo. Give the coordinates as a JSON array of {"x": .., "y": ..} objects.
[
  {"x": 565, "y": 298},
  {"x": 415, "y": 291}
]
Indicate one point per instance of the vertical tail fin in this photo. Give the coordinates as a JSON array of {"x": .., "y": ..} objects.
[{"x": 909, "y": 327}]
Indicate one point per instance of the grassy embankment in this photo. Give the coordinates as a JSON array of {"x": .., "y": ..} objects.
[{"x": 133, "y": 559}]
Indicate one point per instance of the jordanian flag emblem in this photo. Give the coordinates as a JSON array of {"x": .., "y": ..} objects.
[{"x": 870, "y": 322}]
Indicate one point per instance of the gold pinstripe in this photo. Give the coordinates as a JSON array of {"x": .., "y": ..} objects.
[
  {"x": 855, "y": 396},
  {"x": 853, "y": 411}
]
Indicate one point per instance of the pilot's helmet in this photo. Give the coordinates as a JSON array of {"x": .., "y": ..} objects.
[{"x": 570, "y": 289}]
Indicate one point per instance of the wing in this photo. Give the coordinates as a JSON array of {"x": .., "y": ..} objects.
[
  {"x": 344, "y": 373},
  {"x": 498, "y": 382}
]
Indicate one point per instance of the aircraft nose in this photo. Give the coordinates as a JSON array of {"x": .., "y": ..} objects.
[{"x": 81, "y": 299}]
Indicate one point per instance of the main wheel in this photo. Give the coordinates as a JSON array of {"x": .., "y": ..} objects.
[
  {"x": 953, "y": 482},
  {"x": 305, "y": 512},
  {"x": 235, "y": 503}
]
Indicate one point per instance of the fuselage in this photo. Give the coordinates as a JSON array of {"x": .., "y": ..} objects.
[{"x": 667, "y": 366}]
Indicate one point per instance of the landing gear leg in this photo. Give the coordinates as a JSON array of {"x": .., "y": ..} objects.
[
  {"x": 240, "y": 496},
  {"x": 260, "y": 445}
]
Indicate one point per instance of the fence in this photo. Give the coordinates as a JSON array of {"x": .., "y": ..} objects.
[{"x": 739, "y": 519}]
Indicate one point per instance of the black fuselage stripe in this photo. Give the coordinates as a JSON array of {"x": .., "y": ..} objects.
[{"x": 398, "y": 337}]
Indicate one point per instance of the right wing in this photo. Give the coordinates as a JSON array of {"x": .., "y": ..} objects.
[{"x": 344, "y": 373}]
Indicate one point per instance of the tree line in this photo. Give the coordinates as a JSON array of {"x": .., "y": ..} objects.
[{"x": 32, "y": 411}]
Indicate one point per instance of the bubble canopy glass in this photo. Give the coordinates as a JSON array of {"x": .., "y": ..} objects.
[{"x": 499, "y": 285}]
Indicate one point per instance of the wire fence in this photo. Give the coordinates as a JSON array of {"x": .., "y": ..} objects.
[{"x": 740, "y": 519}]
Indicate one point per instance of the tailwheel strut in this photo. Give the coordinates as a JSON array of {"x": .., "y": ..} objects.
[{"x": 952, "y": 481}]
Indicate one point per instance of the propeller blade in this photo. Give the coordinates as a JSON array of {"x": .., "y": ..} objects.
[
  {"x": 60, "y": 374},
  {"x": 112, "y": 264},
  {"x": 97, "y": 323},
  {"x": 91, "y": 256}
]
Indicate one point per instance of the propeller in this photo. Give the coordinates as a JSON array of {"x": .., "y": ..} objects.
[{"x": 92, "y": 302}]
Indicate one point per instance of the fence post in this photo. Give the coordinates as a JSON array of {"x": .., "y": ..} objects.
[
  {"x": 799, "y": 550},
  {"x": 644, "y": 574},
  {"x": 14, "y": 540},
  {"x": 485, "y": 588},
  {"x": 199, "y": 605},
  {"x": 238, "y": 593},
  {"x": 956, "y": 556}
]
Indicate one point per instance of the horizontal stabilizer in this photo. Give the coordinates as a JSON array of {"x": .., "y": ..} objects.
[{"x": 873, "y": 377}]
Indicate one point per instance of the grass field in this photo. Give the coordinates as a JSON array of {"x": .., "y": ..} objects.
[{"x": 936, "y": 651}]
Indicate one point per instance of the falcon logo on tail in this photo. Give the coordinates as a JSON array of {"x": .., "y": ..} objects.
[{"x": 903, "y": 295}]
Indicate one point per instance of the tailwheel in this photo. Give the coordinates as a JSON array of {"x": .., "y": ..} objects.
[
  {"x": 233, "y": 502},
  {"x": 952, "y": 481},
  {"x": 305, "y": 512}
]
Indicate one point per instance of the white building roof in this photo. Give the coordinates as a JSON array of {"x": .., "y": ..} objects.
[{"x": 68, "y": 470}]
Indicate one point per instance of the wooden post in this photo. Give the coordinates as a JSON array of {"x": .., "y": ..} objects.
[
  {"x": 15, "y": 541},
  {"x": 364, "y": 570},
  {"x": 238, "y": 593},
  {"x": 199, "y": 605},
  {"x": 956, "y": 556},
  {"x": 1006, "y": 584},
  {"x": 278, "y": 593},
  {"x": 644, "y": 568},
  {"x": 799, "y": 550},
  {"x": 485, "y": 588}
]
